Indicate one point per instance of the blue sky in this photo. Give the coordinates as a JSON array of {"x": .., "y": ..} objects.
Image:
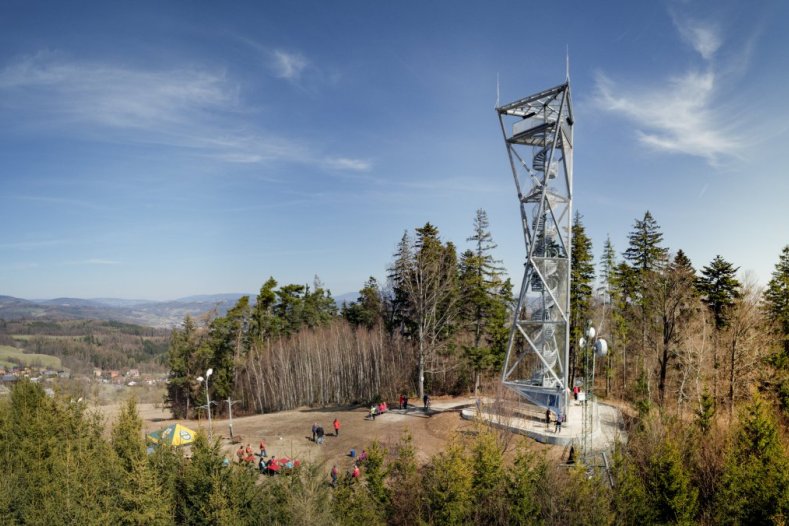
[{"x": 156, "y": 150}]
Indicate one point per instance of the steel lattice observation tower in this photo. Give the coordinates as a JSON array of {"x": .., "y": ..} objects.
[{"x": 538, "y": 134}]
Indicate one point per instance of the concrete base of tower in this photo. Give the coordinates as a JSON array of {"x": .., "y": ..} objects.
[{"x": 530, "y": 420}]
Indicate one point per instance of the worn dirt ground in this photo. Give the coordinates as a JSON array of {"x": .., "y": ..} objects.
[{"x": 289, "y": 432}]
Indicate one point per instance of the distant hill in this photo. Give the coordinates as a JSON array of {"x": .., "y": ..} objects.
[
  {"x": 159, "y": 314},
  {"x": 348, "y": 298},
  {"x": 216, "y": 298}
]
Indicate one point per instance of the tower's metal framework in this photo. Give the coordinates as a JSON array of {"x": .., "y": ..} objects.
[{"x": 538, "y": 134}]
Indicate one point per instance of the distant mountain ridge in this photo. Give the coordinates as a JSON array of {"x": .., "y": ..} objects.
[{"x": 159, "y": 314}]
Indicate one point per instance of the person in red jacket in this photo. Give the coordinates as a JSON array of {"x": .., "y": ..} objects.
[
  {"x": 356, "y": 472},
  {"x": 336, "y": 427}
]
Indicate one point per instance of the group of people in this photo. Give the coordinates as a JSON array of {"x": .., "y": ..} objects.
[
  {"x": 558, "y": 423},
  {"x": 355, "y": 473},
  {"x": 378, "y": 409},
  {"x": 404, "y": 401},
  {"x": 318, "y": 433},
  {"x": 245, "y": 454},
  {"x": 265, "y": 465},
  {"x": 358, "y": 460}
]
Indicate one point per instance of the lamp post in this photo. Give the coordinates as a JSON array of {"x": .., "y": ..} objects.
[
  {"x": 593, "y": 346},
  {"x": 208, "y": 373},
  {"x": 230, "y": 413}
]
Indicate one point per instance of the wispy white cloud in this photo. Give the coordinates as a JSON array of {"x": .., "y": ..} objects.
[
  {"x": 288, "y": 65},
  {"x": 344, "y": 163},
  {"x": 196, "y": 110},
  {"x": 704, "y": 37},
  {"x": 676, "y": 117},
  {"x": 113, "y": 96},
  {"x": 682, "y": 114}
]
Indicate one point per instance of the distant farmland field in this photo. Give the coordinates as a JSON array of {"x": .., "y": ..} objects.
[{"x": 10, "y": 356}]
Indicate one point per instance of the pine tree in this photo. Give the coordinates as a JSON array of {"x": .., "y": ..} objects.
[
  {"x": 398, "y": 275},
  {"x": 482, "y": 276},
  {"x": 226, "y": 345},
  {"x": 581, "y": 280},
  {"x": 375, "y": 473},
  {"x": 481, "y": 301},
  {"x": 367, "y": 310},
  {"x": 127, "y": 435},
  {"x": 776, "y": 299},
  {"x": 613, "y": 306},
  {"x": 425, "y": 283},
  {"x": 141, "y": 498},
  {"x": 447, "y": 482},
  {"x": 630, "y": 501},
  {"x": 706, "y": 412},
  {"x": 263, "y": 324},
  {"x": 719, "y": 290},
  {"x": 525, "y": 481},
  {"x": 184, "y": 368},
  {"x": 645, "y": 252},
  {"x": 319, "y": 307},
  {"x": 405, "y": 481},
  {"x": 488, "y": 483},
  {"x": 673, "y": 496},
  {"x": 646, "y": 256},
  {"x": 755, "y": 482}
]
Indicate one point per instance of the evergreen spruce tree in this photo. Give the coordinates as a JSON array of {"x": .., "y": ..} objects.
[
  {"x": 705, "y": 414},
  {"x": 613, "y": 315},
  {"x": 489, "y": 481},
  {"x": 63, "y": 469},
  {"x": 405, "y": 482},
  {"x": 303, "y": 497},
  {"x": 645, "y": 251},
  {"x": 226, "y": 346},
  {"x": 581, "y": 280},
  {"x": 183, "y": 361},
  {"x": 263, "y": 324},
  {"x": 367, "y": 310},
  {"x": 674, "y": 498},
  {"x": 776, "y": 300},
  {"x": 141, "y": 498},
  {"x": 353, "y": 504},
  {"x": 719, "y": 290},
  {"x": 398, "y": 275},
  {"x": 755, "y": 483},
  {"x": 375, "y": 474},
  {"x": 319, "y": 307},
  {"x": 631, "y": 503},
  {"x": 448, "y": 487},
  {"x": 646, "y": 256},
  {"x": 127, "y": 435},
  {"x": 525, "y": 480},
  {"x": 425, "y": 283}
]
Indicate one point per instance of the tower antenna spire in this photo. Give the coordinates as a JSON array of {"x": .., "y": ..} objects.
[
  {"x": 497, "y": 90},
  {"x": 567, "y": 63}
]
